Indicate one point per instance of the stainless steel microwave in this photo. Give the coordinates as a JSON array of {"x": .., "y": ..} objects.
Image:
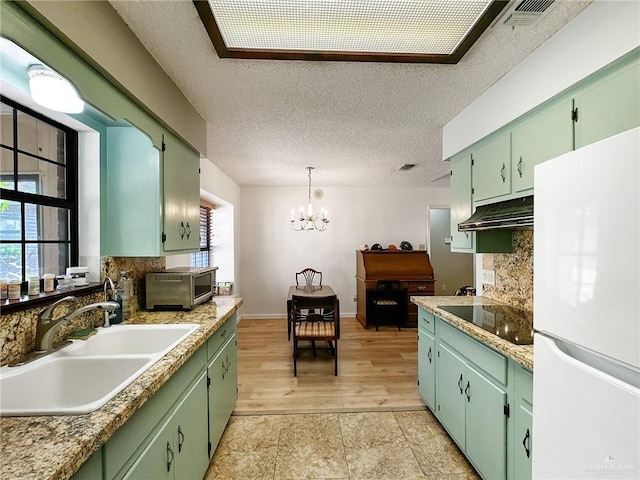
[{"x": 180, "y": 288}]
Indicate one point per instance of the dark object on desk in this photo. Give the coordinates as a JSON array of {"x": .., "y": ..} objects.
[
  {"x": 376, "y": 246},
  {"x": 406, "y": 246},
  {"x": 322, "y": 324},
  {"x": 389, "y": 301},
  {"x": 308, "y": 275},
  {"x": 411, "y": 267},
  {"x": 467, "y": 291}
]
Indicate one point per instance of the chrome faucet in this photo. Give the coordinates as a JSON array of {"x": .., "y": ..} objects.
[
  {"x": 108, "y": 285},
  {"x": 47, "y": 327}
]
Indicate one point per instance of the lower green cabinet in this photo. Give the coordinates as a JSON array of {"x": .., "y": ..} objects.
[
  {"x": 175, "y": 433},
  {"x": 482, "y": 399},
  {"x": 179, "y": 448},
  {"x": 426, "y": 358},
  {"x": 223, "y": 389},
  {"x": 523, "y": 419}
]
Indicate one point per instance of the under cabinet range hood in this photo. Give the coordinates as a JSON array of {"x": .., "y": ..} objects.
[{"x": 516, "y": 213}]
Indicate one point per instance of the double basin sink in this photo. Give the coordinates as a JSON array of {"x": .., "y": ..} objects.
[{"x": 86, "y": 374}]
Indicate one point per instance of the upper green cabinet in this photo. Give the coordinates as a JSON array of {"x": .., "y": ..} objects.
[
  {"x": 608, "y": 105},
  {"x": 491, "y": 165},
  {"x": 461, "y": 202},
  {"x": 181, "y": 180},
  {"x": 539, "y": 137},
  {"x": 152, "y": 197}
]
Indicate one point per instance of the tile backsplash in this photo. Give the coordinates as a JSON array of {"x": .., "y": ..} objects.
[
  {"x": 513, "y": 272},
  {"x": 18, "y": 330}
]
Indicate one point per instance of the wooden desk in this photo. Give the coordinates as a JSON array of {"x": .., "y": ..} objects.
[
  {"x": 411, "y": 267},
  {"x": 319, "y": 291}
]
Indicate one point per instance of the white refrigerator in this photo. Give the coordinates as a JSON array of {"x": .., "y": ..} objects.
[{"x": 586, "y": 377}]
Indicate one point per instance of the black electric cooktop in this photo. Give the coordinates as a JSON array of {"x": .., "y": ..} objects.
[{"x": 509, "y": 323}]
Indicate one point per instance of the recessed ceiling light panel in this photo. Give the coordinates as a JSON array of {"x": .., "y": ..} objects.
[{"x": 341, "y": 27}]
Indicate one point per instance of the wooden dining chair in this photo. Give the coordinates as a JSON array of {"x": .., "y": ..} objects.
[
  {"x": 388, "y": 300},
  {"x": 321, "y": 326},
  {"x": 308, "y": 275}
]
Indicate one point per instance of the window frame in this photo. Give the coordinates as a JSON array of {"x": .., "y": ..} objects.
[
  {"x": 206, "y": 210},
  {"x": 70, "y": 202}
]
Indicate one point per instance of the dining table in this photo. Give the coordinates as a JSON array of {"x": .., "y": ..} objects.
[{"x": 307, "y": 291}]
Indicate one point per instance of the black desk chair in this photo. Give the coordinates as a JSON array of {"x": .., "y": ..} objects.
[
  {"x": 388, "y": 300},
  {"x": 315, "y": 326}
]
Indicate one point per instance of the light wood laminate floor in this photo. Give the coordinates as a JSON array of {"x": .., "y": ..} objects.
[
  {"x": 377, "y": 371},
  {"x": 366, "y": 423}
]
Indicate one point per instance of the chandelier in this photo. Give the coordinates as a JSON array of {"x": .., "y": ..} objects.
[{"x": 308, "y": 220}]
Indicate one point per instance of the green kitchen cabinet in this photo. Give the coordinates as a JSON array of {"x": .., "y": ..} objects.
[
  {"x": 608, "y": 104},
  {"x": 179, "y": 448},
  {"x": 181, "y": 180},
  {"x": 152, "y": 197},
  {"x": 491, "y": 241},
  {"x": 92, "y": 468},
  {"x": 136, "y": 444},
  {"x": 545, "y": 134},
  {"x": 450, "y": 406},
  {"x": 486, "y": 423},
  {"x": 461, "y": 202},
  {"x": 471, "y": 408},
  {"x": 426, "y": 358},
  {"x": 491, "y": 167},
  {"x": 222, "y": 371},
  {"x": 522, "y": 438}
]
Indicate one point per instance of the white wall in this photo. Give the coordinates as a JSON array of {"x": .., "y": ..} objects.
[
  {"x": 601, "y": 33},
  {"x": 271, "y": 252},
  {"x": 218, "y": 188}
]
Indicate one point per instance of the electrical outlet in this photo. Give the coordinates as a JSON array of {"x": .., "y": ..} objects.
[
  {"x": 444, "y": 287},
  {"x": 355, "y": 299},
  {"x": 489, "y": 277}
]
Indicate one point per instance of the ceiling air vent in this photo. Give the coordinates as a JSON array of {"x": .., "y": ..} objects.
[
  {"x": 524, "y": 13},
  {"x": 406, "y": 166}
]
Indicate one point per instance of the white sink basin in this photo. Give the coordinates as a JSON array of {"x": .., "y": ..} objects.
[
  {"x": 85, "y": 375},
  {"x": 131, "y": 339},
  {"x": 67, "y": 386}
]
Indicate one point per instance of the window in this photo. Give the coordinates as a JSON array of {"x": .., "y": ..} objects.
[
  {"x": 38, "y": 191},
  {"x": 204, "y": 257}
]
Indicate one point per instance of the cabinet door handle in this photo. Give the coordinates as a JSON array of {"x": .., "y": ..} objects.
[
  {"x": 460, "y": 384},
  {"x": 183, "y": 230},
  {"x": 502, "y": 172},
  {"x": 180, "y": 438},
  {"x": 429, "y": 356},
  {"x": 188, "y": 230},
  {"x": 466, "y": 392},
  {"x": 526, "y": 443},
  {"x": 422, "y": 287},
  {"x": 169, "y": 457},
  {"x": 520, "y": 167}
]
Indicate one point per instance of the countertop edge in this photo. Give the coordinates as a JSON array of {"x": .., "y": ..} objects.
[
  {"x": 73, "y": 439},
  {"x": 522, "y": 354}
]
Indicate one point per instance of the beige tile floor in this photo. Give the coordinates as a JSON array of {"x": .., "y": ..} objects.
[{"x": 355, "y": 446}]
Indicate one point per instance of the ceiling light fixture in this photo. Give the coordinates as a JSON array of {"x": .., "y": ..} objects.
[
  {"x": 308, "y": 220},
  {"x": 53, "y": 91}
]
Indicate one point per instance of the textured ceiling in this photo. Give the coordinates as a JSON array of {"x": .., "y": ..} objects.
[{"x": 357, "y": 123}]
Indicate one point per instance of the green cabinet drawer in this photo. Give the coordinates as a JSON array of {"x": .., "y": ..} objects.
[
  {"x": 218, "y": 339},
  {"x": 489, "y": 360},
  {"x": 426, "y": 321}
]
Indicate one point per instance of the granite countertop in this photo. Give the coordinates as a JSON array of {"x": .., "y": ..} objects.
[
  {"x": 54, "y": 447},
  {"x": 523, "y": 354}
]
